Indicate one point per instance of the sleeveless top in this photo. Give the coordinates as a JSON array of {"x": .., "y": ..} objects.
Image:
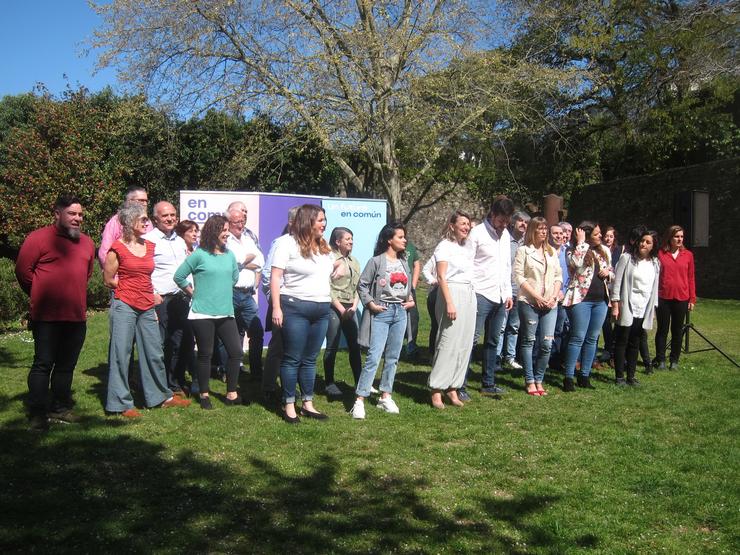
[{"x": 135, "y": 276}]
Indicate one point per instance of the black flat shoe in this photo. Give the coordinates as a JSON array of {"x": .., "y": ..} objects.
[
  {"x": 314, "y": 415},
  {"x": 234, "y": 402},
  {"x": 205, "y": 403},
  {"x": 291, "y": 419}
]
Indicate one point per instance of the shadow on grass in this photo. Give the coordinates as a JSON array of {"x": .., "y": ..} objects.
[
  {"x": 8, "y": 359},
  {"x": 92, "y": 489}
]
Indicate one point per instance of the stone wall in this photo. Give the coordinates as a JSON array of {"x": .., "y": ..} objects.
[
  {"x": 426, "y": 225},
  {"x": 648, "y": 199}
]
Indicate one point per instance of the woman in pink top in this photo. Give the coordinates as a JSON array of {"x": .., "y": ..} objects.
[
  {"x": 128, "y": 268},
  {"x": 676, "y": 294}
]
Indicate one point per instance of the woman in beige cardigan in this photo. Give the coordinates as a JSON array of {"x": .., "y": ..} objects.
[{"x": 539, "y": 277}]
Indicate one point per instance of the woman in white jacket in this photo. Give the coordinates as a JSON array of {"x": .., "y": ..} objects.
[
  {"x": 634, "y": 297},
  {"x": 539, "y": 276}
]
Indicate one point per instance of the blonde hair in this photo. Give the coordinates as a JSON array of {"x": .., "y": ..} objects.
[
  {"x": 448, "y": 233},
  {"x": 532, "y": 226}
]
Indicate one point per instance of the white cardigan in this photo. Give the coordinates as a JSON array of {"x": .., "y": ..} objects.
[{"x": 622, "y": 289}]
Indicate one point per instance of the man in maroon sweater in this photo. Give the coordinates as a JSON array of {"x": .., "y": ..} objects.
[{"x": 53, "y": 267}]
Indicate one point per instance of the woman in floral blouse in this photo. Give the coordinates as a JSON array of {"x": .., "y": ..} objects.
[{"x": 586, "y": 300}]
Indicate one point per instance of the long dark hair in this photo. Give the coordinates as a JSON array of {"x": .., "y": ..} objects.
[
  {"x": 635, "y": 235},
  {"x": 210, "y": 232},
  {"x": 385, "y": 235},
  {"x": 589, "y": 226},
  {"x": 635, "y": 253}
]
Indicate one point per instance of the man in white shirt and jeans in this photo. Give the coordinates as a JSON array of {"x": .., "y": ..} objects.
[
  {"x": 250, "y": 260},
  {"x": 171, "y": 304},
  {"x": 492, "y": 283}
]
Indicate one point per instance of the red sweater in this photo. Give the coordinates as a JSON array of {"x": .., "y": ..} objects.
[
  {"x": 677, "y": 276},
  {"x": 54, "y": 270}
]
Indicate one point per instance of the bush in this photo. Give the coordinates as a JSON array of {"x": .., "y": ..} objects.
[
  {"x": 13, "y": 301},
  {"x": 98, "y": 295}
]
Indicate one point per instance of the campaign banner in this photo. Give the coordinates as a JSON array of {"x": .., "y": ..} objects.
[
  {"x": 198, "y": 206},
  {"x": 274, "y": 210},
  {"x": 364, "y": 217},
  {"x": 267, "y": 216}
]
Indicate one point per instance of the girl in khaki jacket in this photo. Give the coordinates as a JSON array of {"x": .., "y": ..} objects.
[{"x": 538, "y": 274}]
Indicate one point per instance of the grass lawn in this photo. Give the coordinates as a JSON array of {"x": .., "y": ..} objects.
[{"x": 649, "y": 469}]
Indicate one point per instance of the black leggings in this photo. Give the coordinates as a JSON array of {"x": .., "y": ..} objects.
[
  {"x": 205, "y": 333},
  {"x": 337, "y": 326},
  {"x": 670, "y": 313},
  {"x": 627, "y": 345}
]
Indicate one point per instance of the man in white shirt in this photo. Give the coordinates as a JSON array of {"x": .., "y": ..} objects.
[
  {"x": 171, "y": 304},
  {"x": 492, "y": 283},
  {"x": 250, "y": 261}
]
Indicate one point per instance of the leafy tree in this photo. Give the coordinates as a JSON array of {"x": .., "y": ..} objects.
[
  {"x": 57, "y": 150},
  {"x": 344, "y": 69}
]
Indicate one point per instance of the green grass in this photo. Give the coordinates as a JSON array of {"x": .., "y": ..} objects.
[{"x": 647, "y": 470}]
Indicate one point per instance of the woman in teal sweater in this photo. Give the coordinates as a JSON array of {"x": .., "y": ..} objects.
[{"x": 214, "y": 272}]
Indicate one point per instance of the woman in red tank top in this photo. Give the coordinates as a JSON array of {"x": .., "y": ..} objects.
[{"x": 128, "y": 268}]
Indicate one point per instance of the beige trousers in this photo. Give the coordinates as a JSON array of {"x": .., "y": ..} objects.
[{"x": 454, "y": 338}]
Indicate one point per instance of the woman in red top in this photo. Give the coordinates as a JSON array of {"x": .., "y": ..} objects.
[
  {"x": 128, "y": 269},
  {"x": 676, "y": 294}
]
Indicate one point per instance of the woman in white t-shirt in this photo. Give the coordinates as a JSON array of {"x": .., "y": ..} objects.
[
  {"x": 300, "y": 296},
  {"x": 634, "y": 297},
  {"x": 455, "y": 310}
]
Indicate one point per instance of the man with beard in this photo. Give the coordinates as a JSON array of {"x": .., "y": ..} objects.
[{"x": 53, "y": 267}]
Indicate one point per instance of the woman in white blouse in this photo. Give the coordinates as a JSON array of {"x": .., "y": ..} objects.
[
  {"x": 539, "y": 276},
  {"x": 455, "y": 310},
  {"x": 634, "y": 297}
]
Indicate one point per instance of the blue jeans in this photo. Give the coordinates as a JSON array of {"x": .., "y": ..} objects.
[
  {"x": 125, "y": 322},
  {"x": 386, "y": 339},
  {"x": 539, "y": 325},
  {"x": 248, "y": 322},
  {"x": 585, "y": 319},
  {"x": 493, "y": 317},
  {"x": 511, "y": 333},
  {"x": 304, "y": 330}
]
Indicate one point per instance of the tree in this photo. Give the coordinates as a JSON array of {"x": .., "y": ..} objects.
[
  {"x": 345, "y": 69},
  {"x": 663, "y": 89}
]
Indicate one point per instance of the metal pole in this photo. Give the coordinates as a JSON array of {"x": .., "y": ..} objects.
[{"x": 687, "y": 326}]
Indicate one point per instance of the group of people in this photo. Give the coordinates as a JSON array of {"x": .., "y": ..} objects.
[{"x": 538, "y": 294}]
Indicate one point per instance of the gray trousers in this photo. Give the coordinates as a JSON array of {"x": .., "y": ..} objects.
[
  {"x": 125, "y": 323},
  {"x": 454, "y": 338}
]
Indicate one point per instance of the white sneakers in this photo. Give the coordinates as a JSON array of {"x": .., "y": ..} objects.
[
  {"x": 358, "y": 410},
  {"x": 513, "y": 364},
  {"x": 388, "y": 405}
]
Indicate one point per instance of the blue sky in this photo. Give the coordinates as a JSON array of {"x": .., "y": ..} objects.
[{"x": 43, "y": 40}]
